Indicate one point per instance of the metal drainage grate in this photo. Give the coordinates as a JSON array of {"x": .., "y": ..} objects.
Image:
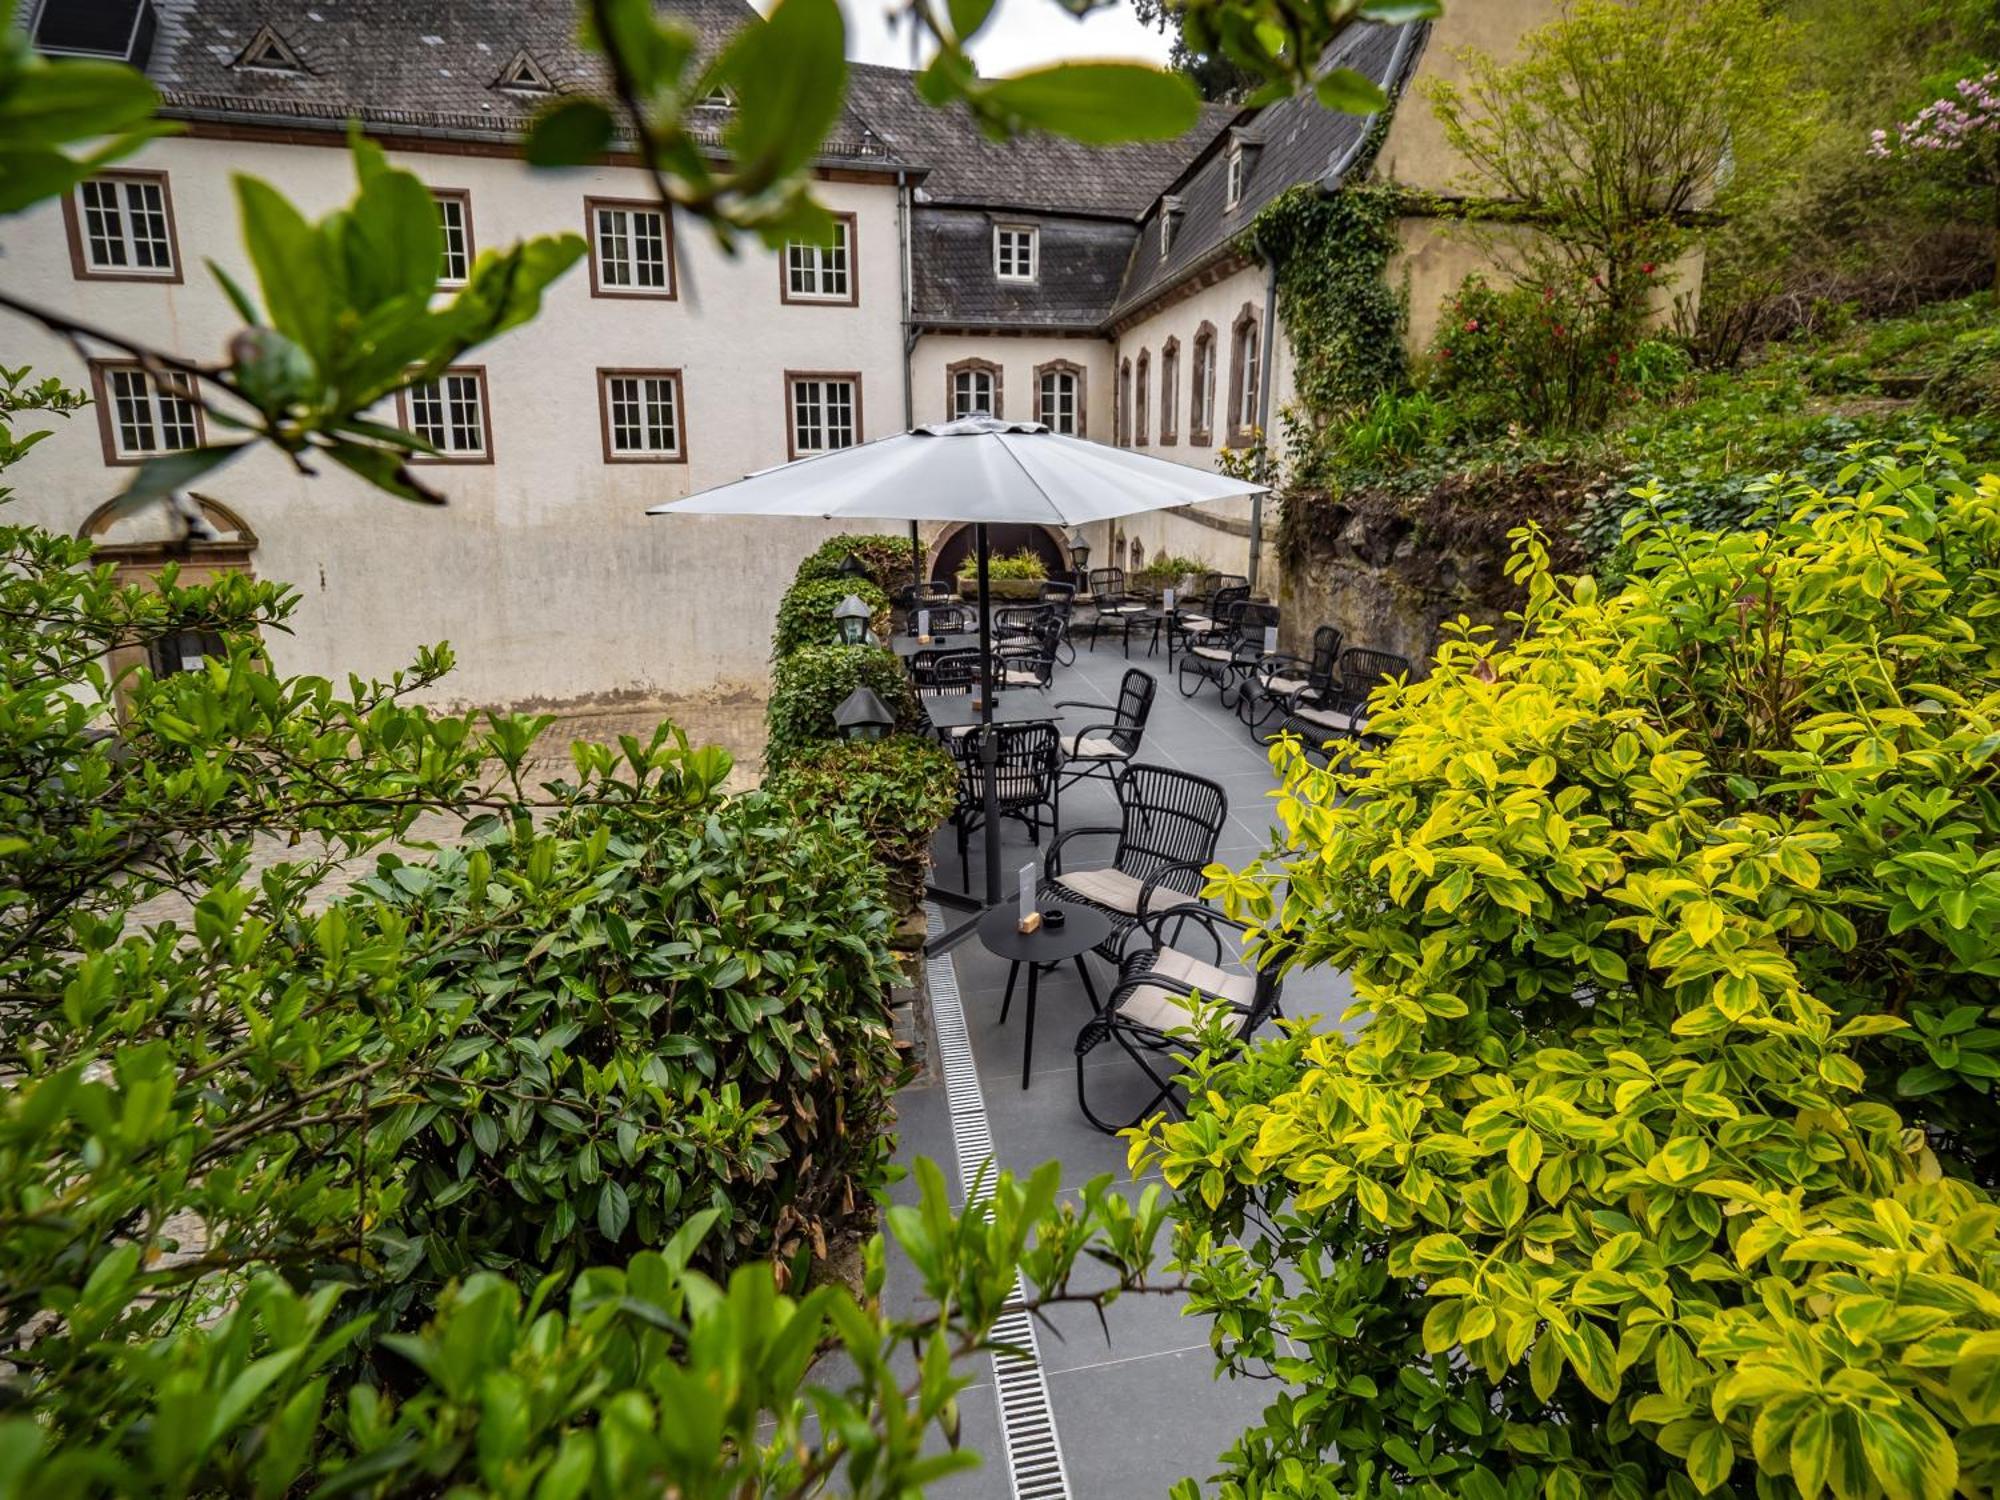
[{"x": 1027, "y": 1425}]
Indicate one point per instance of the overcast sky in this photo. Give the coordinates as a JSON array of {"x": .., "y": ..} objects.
[{"x": 1021, "y": 34}]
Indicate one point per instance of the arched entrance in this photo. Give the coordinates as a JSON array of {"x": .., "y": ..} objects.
[{"x": 956, "y": 545}]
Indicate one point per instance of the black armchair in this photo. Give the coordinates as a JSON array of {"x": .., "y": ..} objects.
[
  {"x": 1160, "y": 976},
  {"x": 1170, "y": 822},
  {"x": 946, "y": 619},
  {"x": 1109, "y": 747},
  {"x": 1339, "y": 710},
  {"x": 1030, "y": 661},
  {"x": 1277, "y": 677},
  {"x": 1111, "y": 603},
  {"x": 1227, "y": 657},
  {"x": 1024, "y": 778}
]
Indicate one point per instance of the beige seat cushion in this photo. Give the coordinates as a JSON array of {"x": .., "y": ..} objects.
[
  {"x": 1092, "y": 747},
  {"x": 1112, "y": 889},
  {"x": 1123, "y": 609},
  {"x": 1212, "y": 653},
  {"x": 1197, "y": 624},
  {"x": 1020, "y": 677},
  {"x": 1325, "y": 719},
  {"x": 1167, "y": 1004},
  {"x": 1285, "y": 684}
]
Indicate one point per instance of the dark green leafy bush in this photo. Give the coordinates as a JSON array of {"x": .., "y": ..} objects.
[
  {"x": 808, "y": 685},
  {"x": 671, "y": 1001},
  {"x": 1967, "y": 382},
  {"x": 1658, "y": 1159},
  {"x": 805, "y": 612},
  {"x": 897, "y": 790}
]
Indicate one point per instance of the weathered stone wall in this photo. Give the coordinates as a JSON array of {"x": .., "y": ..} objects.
[{"x": 1388, "y": 569}]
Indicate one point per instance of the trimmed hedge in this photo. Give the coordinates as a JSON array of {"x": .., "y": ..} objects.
[
  {"x": 805, "y": 613},
  {"x": 897, "y": 790},
  {"x": 887, "y": 559},
  {"x": 808, "y": 685}
]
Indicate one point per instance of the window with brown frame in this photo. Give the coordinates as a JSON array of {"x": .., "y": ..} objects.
[
  {"x": 972, "y": 385},
  {"x": 1059, "y": 395},
  {"x": 631, "y": 248},
  {"x": 1141, "y": 399},
  {"x": 140, "y": 415},
  {"x": 121, "y": 228},
  {"x": 1244, "y": 377},
  {"x": 644, "y": 421},
  {"x": 1121, "y": 420},
  {"x": 823, "y": 411},
  {"x": 1201, "y": 388},
  {"x": 824, "y": 273},
  {"x": 1170, "y": 392},
  {"x": 452, "y": 414},
  {"x": 454, "y": 206}
]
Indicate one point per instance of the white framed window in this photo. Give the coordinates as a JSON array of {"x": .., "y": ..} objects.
[
  {"x": 450, "y": 414},
  {"x": 1201, "y": 392},
  {"x": 1232, "y": 178},
  {"x": 1170, "y": 391},
  {"x": 1244, "y": 385},
  {"x": 631, "y": 249},
  {"x": 1166, "y": 234},
  {"x": 1015, "y": 251},
  {"x": 822, "y": 273},
  {"x": 141, "y": 416},
  {"x": 455, "y": 229},
  {"x": 1059, "y": 403},
  {"x": 121, "y": 226},
  {"x": 974, "y": 388},
  {"x": 642, "y": 416},
  {"x": 825, "y": 412}
]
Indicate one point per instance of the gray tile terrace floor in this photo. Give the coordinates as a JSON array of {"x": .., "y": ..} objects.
[{"x": 1138, "y": 1412}]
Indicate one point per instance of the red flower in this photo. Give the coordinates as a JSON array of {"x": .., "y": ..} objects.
[
  {"x": 1646, "y": 269},
  {"x": 1472, "y": 325}
]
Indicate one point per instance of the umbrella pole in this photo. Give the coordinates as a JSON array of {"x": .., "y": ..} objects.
[{"x": 989, "y": 746}]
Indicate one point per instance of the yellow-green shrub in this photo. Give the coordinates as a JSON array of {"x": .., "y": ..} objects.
[{"x": 1656, "y": 1158}]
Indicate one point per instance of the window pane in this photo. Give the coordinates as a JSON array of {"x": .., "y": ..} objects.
[
  {"x": 146, "y": 210},
  {"x": 614, "y": 252},
  {"x": 103, "y": 225},
  {"x": 649, "y": 242},
  {"x": 468, "y": 435},
  {"x": 427, "y": 413},
  {"x": 625, "y": 429},
  {"x": 134, "y": 410},
  {"x": 454, "y": 262},
  {"x": 662, "y": 430},
  {"x": 176, "y": 420}
]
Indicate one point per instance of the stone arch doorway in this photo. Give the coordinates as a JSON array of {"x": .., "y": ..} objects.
[
  {"x": 950, "y": 551},
  {"x": 138, "y": 543}
]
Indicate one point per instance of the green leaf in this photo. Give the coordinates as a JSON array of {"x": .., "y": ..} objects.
[
  {"x": 1100, "y": 104},
  {"x": 789, "y": 75},
  {"x": 384, "y": 469},
  {"x": 299, "y": 287},
  {"x": 1350, "y": 92},
  {"x": 614, "y": 1210},
  {"x": 569, "y": 133},
  {"x": 1710, "y": 1458},
  {"x": 1400, "y": 12},
  {"x": 176, "y": 471}
]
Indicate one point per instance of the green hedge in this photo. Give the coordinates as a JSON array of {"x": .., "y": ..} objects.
[
  {"x": 887, "y": 559},
  {"x": 808, "y": 685},
  {"x": 673, "y": 1001},
  {"x": 898, "y": 791},
  {"x": 805, "y": 613}
]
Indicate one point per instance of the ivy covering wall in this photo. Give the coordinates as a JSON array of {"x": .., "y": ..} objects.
[{"x": 1342, "y": 322}]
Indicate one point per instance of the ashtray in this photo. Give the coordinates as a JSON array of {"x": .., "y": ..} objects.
[{"x": 1054, "y": 917}]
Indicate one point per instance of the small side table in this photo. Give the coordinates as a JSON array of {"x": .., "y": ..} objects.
[{"x": 1082, "y": 930}]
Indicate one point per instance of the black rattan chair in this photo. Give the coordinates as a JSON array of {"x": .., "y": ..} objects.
[
  {"x": 1030, "y": 661},
  {"x": 1110, "y": 747},
  {"x": 947, "y": 619},
  {"x": 1227, "y": 657},
  {"x": 1159, "y": 977},
  {"x": 1340, "y": 710},
  {"x": 1276, "y": 678},
  {"x": 1170, "y": 822},
  {"x": 1110, "y": 602},
  {"x": 1030, "y": 757},
  {"x": 1060, "y": 600}
]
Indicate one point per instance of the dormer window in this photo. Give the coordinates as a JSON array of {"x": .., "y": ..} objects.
[
  {"x": 1014, "y": 251},
  {"x": 270, "y": 53},
  {"x": 524, "y": 75},
  {"x": 1170, "y": 221},
  {"x": 1232, "y": 178}
]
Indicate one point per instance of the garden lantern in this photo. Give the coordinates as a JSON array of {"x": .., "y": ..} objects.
[
  {"x": 851, "y": 618},
  {"x": 851, "y": 566},
  {"x": 863, "y": 717},
  {"x": 1079, "y": 551}
]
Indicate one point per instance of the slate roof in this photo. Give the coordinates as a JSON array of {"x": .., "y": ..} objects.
[
  {"x": 1034, "y": 171},
  {"x": 1080, "y": 262},
  {"x": 1295, "y": 140},
  {"x": 426, "y": 67}
]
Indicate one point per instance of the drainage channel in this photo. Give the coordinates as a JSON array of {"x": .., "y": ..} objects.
[{"x": 1027, "y": 1425}]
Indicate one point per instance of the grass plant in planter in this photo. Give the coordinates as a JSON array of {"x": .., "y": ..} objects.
[{"x": 1017, "y": 575}]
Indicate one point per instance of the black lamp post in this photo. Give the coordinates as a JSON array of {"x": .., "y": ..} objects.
[
  {"x": 1079, "y": 554},
  {"x": 851, "y": 618},
  {"x": 862, "y": 717}
]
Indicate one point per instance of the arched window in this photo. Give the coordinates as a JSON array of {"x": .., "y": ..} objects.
[
  {"x": 971, "y": 385},
  {"x": 1059, "y": 397},
  {"x": 1170, "y": 392},
  {"x": 1123, "y": 419},
  {"x": 1201, "y": 388},
  {"x": 1140, "y": 398},
  {"x": 1244, "y": 376}
]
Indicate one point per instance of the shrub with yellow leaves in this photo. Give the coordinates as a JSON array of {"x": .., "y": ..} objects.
[{"x": 1655, "y": 1156}]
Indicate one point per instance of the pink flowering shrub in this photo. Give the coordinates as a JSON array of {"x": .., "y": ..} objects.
[{"x": 1956, "y": 137}]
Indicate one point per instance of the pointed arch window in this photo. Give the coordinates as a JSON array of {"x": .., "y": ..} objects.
[{"x": 1059, "y": 397}]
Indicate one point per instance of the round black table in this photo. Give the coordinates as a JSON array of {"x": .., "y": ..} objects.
[{"x": 1044, "y": 948}]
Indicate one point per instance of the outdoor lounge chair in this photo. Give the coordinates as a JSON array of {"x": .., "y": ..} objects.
[
  {"x": 1110, "y": 747},
  {"x": 1339, "y": 711},
  {"x": 1158, "y": 980},
  {"x": 1030, "y": 756},
  {"x": 1169, "y": 825},
  {"x": 1111, "y": 603},
  {"x": 1277, "y": 678},
  {"x": 1228, "y": 657}
]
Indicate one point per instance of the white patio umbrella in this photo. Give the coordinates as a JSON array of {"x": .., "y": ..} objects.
[{"x": 979, "y": 470}]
